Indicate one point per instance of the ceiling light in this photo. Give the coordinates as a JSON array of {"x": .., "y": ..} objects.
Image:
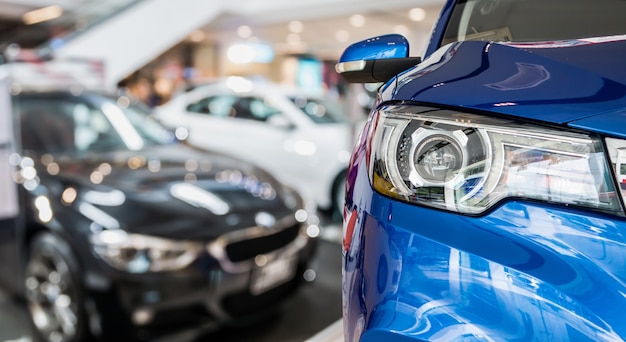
[
  {"x": 244, "y": 31},
  {"x": 240, "y": 53},
  {"x": 42, "y": 14},
  {"x": 249, "y": 52},
  {"x": 357, "y": 20},
  {"x": 417, "y": 14},
  {"x": 296, "y": 26}
]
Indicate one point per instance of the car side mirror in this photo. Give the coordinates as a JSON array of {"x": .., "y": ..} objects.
[
  {"x": 377, "y": 59},
  {"x": 280, "y": 121}
]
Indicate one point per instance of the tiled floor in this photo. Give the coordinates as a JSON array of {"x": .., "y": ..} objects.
[{"x": 13, "y": 321}]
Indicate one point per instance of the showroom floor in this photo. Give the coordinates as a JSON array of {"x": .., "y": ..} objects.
[
  {"x": 313, "y": 314},
  {"x": 13, "y": 321}
]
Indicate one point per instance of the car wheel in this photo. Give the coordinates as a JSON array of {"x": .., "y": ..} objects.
[{"x": 53, "y": 294}]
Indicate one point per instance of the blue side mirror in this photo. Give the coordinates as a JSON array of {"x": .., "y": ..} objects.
[{"x": 376, "y": 59}]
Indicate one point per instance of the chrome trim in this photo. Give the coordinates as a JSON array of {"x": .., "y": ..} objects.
[{"x": 350, "y": 66}]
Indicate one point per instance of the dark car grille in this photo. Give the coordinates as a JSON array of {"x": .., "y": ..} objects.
[{"x": 250, "y": 248}]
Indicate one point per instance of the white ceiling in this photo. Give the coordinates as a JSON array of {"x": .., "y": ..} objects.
[
  {"x": 76, "y": 14},
  {"x": 321, "y": 19},
  {"x": 322, "y": 24}
]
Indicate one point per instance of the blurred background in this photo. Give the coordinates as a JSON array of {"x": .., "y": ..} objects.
[
  {"x": 160, "y": 51},
  {"x": 174, "y": 44}
]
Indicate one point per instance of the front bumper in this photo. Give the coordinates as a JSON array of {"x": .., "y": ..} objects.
[
  {"x": 524, "y": 271},
  {"x": 213, "y": 291}
]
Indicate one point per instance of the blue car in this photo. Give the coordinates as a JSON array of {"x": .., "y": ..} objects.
[{"x": 485, "y": 195}]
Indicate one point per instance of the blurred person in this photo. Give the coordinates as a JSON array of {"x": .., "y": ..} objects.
[{"x": 145, "y": 91}]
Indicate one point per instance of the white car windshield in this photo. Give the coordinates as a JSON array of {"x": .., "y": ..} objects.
[
  {"x": 535, "y": 20},
  {"x": 319, "y": 110}
]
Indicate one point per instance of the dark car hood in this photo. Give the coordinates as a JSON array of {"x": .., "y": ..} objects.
[
  {"x": 168, "y": 191},
  {"x": 556, "y": 82}
]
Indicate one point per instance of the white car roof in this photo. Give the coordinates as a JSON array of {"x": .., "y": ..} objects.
[{"x": 253, "y": 86}]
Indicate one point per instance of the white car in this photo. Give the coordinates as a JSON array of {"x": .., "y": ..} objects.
[{"x": 303, "y": 140}]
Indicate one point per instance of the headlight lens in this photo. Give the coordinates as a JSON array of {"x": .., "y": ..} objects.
[
  {"x": 136, "y": 253},
  {"x": 467, "y": 163}
]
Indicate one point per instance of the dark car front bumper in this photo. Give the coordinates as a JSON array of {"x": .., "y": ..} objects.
[{"x": 237, "y": 279}]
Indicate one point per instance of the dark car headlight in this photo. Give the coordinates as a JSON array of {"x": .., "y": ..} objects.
[
  {"x": 137, "y": 253},
  {"x": 468, "y": 163}
]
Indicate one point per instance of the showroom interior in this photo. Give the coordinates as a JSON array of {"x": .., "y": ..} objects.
[{"x": 156, "y": 50}]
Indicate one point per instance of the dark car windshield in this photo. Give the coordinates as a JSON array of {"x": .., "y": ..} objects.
[
  {"x": 63, "y": 123},
  {"x": 535, "y": 20}
]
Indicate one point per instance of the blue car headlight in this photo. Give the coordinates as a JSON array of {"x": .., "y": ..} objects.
[{"x": 468, "y": 163}]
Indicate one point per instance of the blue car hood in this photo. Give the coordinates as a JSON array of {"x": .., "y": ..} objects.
[{"x": 582, "y": 82}]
